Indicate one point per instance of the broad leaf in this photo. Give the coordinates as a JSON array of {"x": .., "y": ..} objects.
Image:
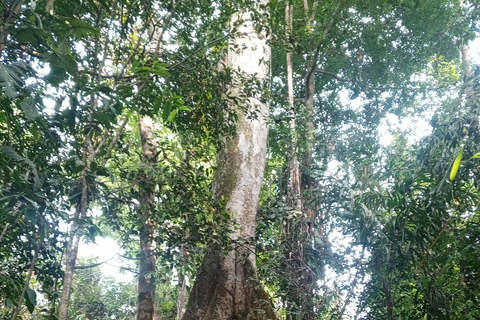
[
  {"x": 30, "y": 299},
  {"x": 11, "y": 78},
  {"x": 456, "y": 165},
  {"x": 15, "y": 156}
]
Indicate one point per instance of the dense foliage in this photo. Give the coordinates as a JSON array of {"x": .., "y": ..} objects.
[{"x": 395, "y": 232}]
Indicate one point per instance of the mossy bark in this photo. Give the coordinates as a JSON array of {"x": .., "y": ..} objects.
[{"x": 227, "y": 286}]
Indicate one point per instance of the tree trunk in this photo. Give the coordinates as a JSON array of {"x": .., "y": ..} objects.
[
  {"x": 294, "y": 175},
  {"x": 467, "y": 69},
  {"x": 227, "y": 286},
  {"x": 73, "y": 242},
  {"x": 182, "y": 296},
  {"x": 182, "y": 283},
  {"x": 301, "y": 280},
  {"x": 309, "y": 199},
  {"x": 293, "y": 254},
  {"x": 146, "y": 277}
]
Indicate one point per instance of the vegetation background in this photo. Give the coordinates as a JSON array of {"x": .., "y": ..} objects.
[{"x": 145, "y": 122}]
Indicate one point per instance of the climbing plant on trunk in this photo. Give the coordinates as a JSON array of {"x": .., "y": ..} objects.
[{"x": 227, "y": 286}]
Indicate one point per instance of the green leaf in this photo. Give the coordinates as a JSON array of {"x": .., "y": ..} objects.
[
  {"x": 476, "y": 156},
  {"x": 167, "y": 109},
  {"x": 456, "y": 165},
  {"x": 172, "y": 115},
  {"x": 30, "y": 299},
  {"x": 11, "y": 78},
  {"x": 15, "y": 156},
  {"x": 185, "y": 108}
]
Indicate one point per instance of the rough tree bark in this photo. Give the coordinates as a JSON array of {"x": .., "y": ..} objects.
[
  {"x": 146, "y": 277},
  {"x": 227, "y": 286}
]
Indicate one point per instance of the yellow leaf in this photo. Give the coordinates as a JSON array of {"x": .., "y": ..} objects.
[{"x": 456, "y": 165}]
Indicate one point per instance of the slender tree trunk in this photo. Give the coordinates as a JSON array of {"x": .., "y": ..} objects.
[
  {"x": 90, "y": 152},
  {"x": 72, "y": 245},
  {"x": 146, "y": 277},
  {"x": 467, "y": 69},
  {"x": 388, "y": 297},
  {"x": 309, "y": 198},
  {"x": 27, "y": 284},
  {"x": 308, "y": 182},
  {"x": 294, "y": 176},
  {"x": 293, "y": 254},
  {"x": 302, "y": 184},
  {"x": 182, "y": 295},
  {"x": 302, "y": 199},
  {"x": 227, "y": 286},
  {"x": 182, "y": 283}
]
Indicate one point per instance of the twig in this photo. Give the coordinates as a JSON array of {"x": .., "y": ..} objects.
[
  {"x": 93, "y": 265},
  {"x": 122, "y": 268},
  {"x": 198, "y": 50},
  {"x": 100, "y": 145},
  {"x": 25, "y": 287},
  {"x": 16, "y": 208},
  {"x": 115, "y": 138},
  {"x": 331, "y": 74},
  {"x": 444, "y": 227},
  {"x": 166, "y": 22}
]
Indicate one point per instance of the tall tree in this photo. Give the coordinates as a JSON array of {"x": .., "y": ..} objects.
[
  {"x": 146, "y": 276},
  {"x": 227, "y": 286}
]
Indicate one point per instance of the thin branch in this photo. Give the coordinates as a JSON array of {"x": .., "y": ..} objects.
[
  {"x": 25, "y": 287},
  {"x": 314, "y": 64},
  {"x": 384, "y": 88},
  {"x": 105, "y": 42},
  {"x": 93, "y": 265},
  {"x": 444, "y": 227},
  {"x": 198, "y": 50},
  {"x": 16, "y": 208},
  {"x": 100, "y": 145},
  {"x": 133, "y": 53},
  {"x": 111, "y": 76},
  {"x": 28, "y": 50},
  {"x": 331, "y": 74},
  {"x": 122, "y": 200},
  {"x": 165, "y": 23},
  {"x": 114, "y": 141},
  {"x": 123, "y": 268}
]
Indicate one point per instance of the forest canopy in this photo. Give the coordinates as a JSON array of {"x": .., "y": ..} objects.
[{"x": 297, "y": 159}]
